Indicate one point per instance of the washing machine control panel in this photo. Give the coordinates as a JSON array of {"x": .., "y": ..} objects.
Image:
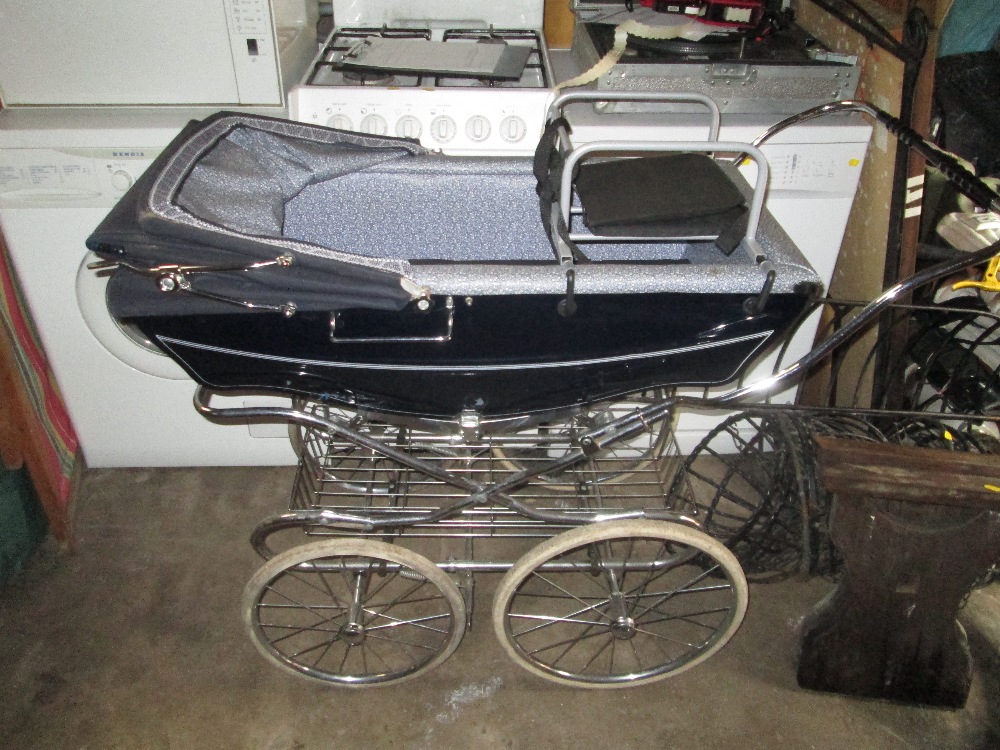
[{"x": 81, "y": 177}]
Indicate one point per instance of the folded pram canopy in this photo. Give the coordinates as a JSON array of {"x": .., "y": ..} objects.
[
  {"x": 218, "y": 196},
  {"x": 251, "y": 238}
]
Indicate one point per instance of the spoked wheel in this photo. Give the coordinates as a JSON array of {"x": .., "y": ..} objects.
[
  {"x": 354, "y": 612},
  {"x": 618, "y": 462},
  {"x": 619, "y": 603}
]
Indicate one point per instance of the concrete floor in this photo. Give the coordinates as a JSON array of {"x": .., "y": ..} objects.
[{"x": 136, "y": 642}]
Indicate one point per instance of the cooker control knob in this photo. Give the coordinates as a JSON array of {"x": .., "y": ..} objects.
[
  {"x": 443, "y": 128},
  {"x": 340, "y": 122},
  {"x": 513, "y": 129},
  {"x": 121, "y": 180},
  {"x": 408, "y": 126},
  {"x": 477, "y": 128},
  {"x": 374, "y": 125}
]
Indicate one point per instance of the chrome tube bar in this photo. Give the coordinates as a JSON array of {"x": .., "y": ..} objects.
[
  {"x": 598, "y": 439},
  {"x": 494, "y": 566},
  {"x": 559, "y": 104},
  {"x": 478, "y": 494}
]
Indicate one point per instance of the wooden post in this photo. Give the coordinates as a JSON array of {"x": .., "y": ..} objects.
[{"x": 917, "y": 527}]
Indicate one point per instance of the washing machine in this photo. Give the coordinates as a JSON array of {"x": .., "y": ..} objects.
[{"x": 61, "y": 171}]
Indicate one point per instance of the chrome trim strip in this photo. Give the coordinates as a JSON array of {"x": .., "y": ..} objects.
[{"x": 170, "y": 343}]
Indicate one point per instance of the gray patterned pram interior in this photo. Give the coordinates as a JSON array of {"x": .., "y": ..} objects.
[{"x": 447, "y": 224}]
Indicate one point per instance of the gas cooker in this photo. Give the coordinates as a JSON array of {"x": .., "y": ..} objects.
[{"x": 451, "y": 113}]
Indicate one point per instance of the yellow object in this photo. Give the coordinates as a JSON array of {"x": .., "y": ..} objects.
[
  {"x": 991, "y": 487},
  {"x": 989, "y": 283},
  {"x": 558, "y": 24}
]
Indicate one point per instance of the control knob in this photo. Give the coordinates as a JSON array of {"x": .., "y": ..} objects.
[
  {"x": 513, "y": 129},
  {"x": 374, "y": 125},
  {"x": 340, "y": 122},
  {"x": 408, "y": 126},
  {"x": 121, "y": 180},
  {"x": 443, "y": 128},
  {"x": 477, "y": 128}
]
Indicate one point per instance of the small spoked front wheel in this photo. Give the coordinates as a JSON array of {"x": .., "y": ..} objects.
[
  {"x": 354, "y": 612},
  {"x": 619, "y": 603}
]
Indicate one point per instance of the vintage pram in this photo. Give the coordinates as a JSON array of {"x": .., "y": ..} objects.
[{"x": 481, "y": 351}]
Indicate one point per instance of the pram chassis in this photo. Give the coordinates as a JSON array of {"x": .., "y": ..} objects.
[{"x": 358, "y": 541}]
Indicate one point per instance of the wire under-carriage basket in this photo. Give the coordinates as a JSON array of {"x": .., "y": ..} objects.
[{"x": 341, "y": 478}]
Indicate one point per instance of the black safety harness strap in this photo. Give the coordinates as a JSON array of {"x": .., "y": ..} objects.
[{"x": 548, "y": 166}]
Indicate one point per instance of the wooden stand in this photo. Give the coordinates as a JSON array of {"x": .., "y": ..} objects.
[{"x": 916, "y": 527}]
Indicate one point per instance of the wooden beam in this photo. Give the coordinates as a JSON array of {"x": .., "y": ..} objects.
[{"x": 932, "y": 476}]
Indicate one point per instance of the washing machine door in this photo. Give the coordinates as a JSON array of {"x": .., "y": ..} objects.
[{"x": 125, "y": 343}]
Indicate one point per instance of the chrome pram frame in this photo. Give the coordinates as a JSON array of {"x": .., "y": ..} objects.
[{"x": 622, "y": 584}]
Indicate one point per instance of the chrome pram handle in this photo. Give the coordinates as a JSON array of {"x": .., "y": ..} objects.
[{"x": 558, "y": 106}]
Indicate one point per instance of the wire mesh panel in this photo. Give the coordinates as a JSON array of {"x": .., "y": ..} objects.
[{"x": 338, "y": 475}]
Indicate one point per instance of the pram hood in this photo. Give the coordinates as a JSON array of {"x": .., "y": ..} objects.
[{"x": 216, "y": 197}]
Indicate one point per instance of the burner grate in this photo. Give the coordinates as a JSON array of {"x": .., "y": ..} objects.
[
  {"x": 329, "y": 70},
  {"x": 534, "y": 75}
]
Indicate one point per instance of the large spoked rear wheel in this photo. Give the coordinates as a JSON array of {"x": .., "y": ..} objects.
[
  {"x": 354, "y": 612},
  {"x": 620, "y": 603}
]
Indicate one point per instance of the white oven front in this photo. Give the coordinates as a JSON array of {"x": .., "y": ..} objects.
[{"x": 453, "y": 115}]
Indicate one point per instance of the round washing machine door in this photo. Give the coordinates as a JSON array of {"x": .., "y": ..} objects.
[{"x": 125, "y": 344}]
